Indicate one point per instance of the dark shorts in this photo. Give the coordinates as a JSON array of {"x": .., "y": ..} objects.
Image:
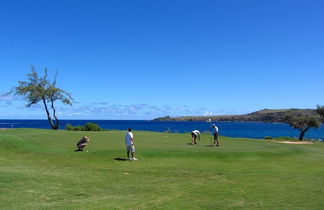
[
  {"x": 130, "y": 148},
  {"x": 215, "y": 135},
  {"x": 193, "y": 134}
]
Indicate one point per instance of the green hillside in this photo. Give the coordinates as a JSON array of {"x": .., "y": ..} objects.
[
  {"x": 265, "y": 115},
  {"x": 39, "y": 170}
]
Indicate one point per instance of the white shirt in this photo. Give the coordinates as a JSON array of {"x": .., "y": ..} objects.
[
  {"x": 214, "y": 129},
  {"x": 196, "y": 132},
  {"x": 129, "y": 138}
]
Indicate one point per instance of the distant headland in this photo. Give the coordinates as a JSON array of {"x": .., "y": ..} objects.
[{"x": 265, "y": 115}]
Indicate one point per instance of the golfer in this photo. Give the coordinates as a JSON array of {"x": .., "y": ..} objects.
[
  {"x": 194, "y": 135},
  {"x": 129, "y": 141},
  {"x": 82, "y": 143},
  {"x": 215, "y": 134}
]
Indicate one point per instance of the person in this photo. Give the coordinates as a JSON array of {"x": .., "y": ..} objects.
[
  {"x": 82, "y": 143},
  {"x": 130, "y": 147},
  {"x": 194, "y": 135},
  {"x": 215, "y": 134}
]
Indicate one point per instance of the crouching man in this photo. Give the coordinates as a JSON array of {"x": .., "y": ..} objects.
[{"x": 82, "y": 143}]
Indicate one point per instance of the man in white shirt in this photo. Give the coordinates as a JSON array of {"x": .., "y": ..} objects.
[
  {"x": 194, "y": 135},
  {"x": 129, "y": 141},
  {"x": 215, "y": 134}
]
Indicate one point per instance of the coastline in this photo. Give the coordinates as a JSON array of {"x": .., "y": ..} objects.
[
  {"x": 264, "y": 115},
  {"x": 242, "y": 129}
]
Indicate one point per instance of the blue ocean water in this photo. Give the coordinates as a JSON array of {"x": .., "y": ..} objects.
[{"x": 256, "y": 130}]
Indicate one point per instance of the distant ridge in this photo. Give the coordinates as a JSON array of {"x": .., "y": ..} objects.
[{"x": 265, "y": 115}]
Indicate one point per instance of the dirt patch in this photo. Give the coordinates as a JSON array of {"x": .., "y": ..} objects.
[{"x": 294, "y": 142}]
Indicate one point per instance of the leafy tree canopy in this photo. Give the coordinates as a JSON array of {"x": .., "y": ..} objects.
[
  {"x": 39, "y": 89},
  {"x": 302, "y": 123},
  {"x": 320, "y": 110}
]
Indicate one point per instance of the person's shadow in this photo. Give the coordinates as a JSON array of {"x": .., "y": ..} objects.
[{"x": 121, "y": 159}]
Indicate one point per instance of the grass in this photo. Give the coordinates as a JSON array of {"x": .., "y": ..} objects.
[{"x": 39, "y": 170}]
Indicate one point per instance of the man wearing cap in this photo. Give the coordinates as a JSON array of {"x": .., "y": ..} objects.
[
  {"x": 215, "y": 134},
  {"x": 129, "y": 141}
]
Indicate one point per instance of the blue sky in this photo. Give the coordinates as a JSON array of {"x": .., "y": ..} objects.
[{"x": 143, "y": 59}]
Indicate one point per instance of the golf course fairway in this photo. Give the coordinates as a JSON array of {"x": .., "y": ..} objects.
[{"x": 40, "y": 170}]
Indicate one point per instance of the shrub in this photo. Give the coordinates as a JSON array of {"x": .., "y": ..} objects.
[
  {"x": 92, "y": 127},
  {"x": 287, "y": 138},
  {"x": 87, "y": 127},
  {"x": 69, "y": 127},
  {"x": 78, "y": 128}
]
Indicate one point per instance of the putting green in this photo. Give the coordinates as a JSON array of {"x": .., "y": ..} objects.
[{"x": 39, "y": 170}]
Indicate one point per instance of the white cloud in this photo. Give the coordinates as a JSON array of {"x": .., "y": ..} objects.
[
  {"x": 100, "y": 110},
  {"x": 133, "y": 111},
  {"x": 5, "y": 97}
]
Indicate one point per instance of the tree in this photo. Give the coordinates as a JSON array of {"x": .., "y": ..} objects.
[
  {"x": 40, "y": 90},
  {"x": 320, "y": 110},
  {"x": 302, "y": 123}
]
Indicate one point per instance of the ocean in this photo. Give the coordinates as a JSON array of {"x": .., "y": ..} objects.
[{"x": 256, "y": 130}]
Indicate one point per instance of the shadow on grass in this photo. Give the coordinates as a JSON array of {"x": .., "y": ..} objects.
[
  {"x": 191, "y": 144},
  {"x": 211, "y": 145},
  {"x": 121, "y": 159}
]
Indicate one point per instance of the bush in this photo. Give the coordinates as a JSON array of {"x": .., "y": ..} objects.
[
  {"x": 92, "y": 127},
  {"x": 69, "y": 127},
  {"x": 79, "y": 128},
  {"x": 87, "y": 127},
  {"x": 286, "y": 138}
]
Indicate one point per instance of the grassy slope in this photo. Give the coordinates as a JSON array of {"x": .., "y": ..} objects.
[
  {"x": 39, "y": 170},
  {"x": 265, "y": 115}
]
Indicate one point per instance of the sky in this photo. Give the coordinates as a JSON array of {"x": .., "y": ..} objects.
[{"x": 126, "y": 59}]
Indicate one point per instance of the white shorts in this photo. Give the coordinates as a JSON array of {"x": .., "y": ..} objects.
[{"x": 131, "y": 148}]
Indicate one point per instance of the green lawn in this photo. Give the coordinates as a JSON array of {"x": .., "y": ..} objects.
[{"x": 39, "y": 170}]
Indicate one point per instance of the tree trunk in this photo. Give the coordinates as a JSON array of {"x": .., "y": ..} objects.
[
  {"x": 57, "y": 122},
  {"x": 302, "y": 134},
  {"x": 54, "y": 127}
]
